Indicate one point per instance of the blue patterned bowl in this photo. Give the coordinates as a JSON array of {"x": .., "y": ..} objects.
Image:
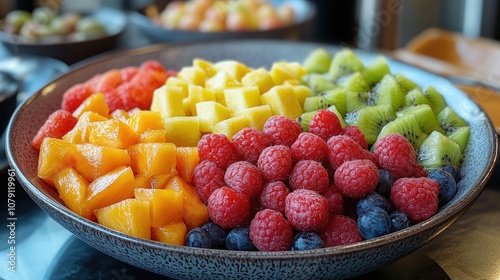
[{"x": 194, "y": 263}]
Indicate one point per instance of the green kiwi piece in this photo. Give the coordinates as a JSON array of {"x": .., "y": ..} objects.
[
  {"x": 318, "y": 61},
  {"x": 416, "y": 97},
  {"x": 354, "y": 82},
  {"x": 406, "y": 126},
  {"x": 314, "y": 103},
  {"x": 370, "y": 120},
  {"x": 387, "y": 91},
  {"x": 449, "y": 120},
  {"x": 405, "y": 83},
  {"x": 355, "y": 100},
  {"x": 337, "y": 97},
  {"x": 376, "y": 70},
  {"x": 435, "y": 98},
  {"x": 344, "y": 62},
  {"x": 460, "y": 136},
  {"x": 438, "y": 150},
  {"x": 305, "y": 118},
  {"x": 423, "y": 115},
  {"x": 318, "y": 83}
]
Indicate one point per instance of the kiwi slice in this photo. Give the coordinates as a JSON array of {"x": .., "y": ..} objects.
[
  {"x": 423, "y": 115},
  {"x": 416, "y": 97},
  {"x": 337, "y": 97},
  {"x": 387, "y": 91},
  {"x": 438, "y": 150},
  {"x": 314, "y": 103},
  {"x": 318, "y": 61},
  {"x": 344, "y": 62},
  {"x": 354, "y": 82},
  {"x": 405, "y": 83},
  {"x": 318, "y": 83},
  {"x": 355, "y": 100},
  {"x": 460, "y": 136},
  {"x": 406, "y": 126},
  {"x": 370, "y": 120},
  {"x": 376, "y": 70},
  {"x": 435, "y": 98},
  {"x": 449, "y": 120}
]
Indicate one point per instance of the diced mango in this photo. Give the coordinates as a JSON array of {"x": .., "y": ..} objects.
[
  {"x": 72, "y": 189},
  {"x": 95, "y": 161},
  {"x": 234, "y": 68},
  {"x": 80, "y": 132},
  {"x": 153, "y": 158},
  {"x": 256, "y": 116},
  {"x": 183, "y": 131},
  {"x": 194, "y": 75},
  {"x": 160, "y": 181},
  {"x": 54, "y": 156},
  {"x": 130, "y": 216},
  {"x": 142, "y": 181},
  {"x": 153, "y": 136},
  {"x": 112, "y": 133},
  {"x": 241, "y": 98},
  {"x": 231, "y": 126},
  {"x": 210, "y": 113},
  {"x": 167, "y": 100},
  {"x": 174, "y": 234},
  {"x": 187, "y": 159},
  {"x": 165, "y": 205},
  {"x": 283, "y": 101},
  {"x": 94, "y": 103},
  {"x": 145, "y": 120},
  {"x": 120, "y": 115},
  {"x": 260, "y": 78}
]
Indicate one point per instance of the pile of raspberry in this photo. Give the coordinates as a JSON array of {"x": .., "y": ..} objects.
[{"x": 297, "y": 190}]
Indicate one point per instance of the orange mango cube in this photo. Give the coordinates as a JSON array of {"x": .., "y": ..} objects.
[
  {"x": 153, "y": 136},
  {"x": 153, "y": 158},
  {"x": 112, "y": 133},
  {"x": 120, "y": 115},
  {"x": 95, "y": 161},
  {"x": 54, "y": 156},
  {"x": 129, "y": 216},
  {"x": 142, "y": 121},
  {"x": 80, "y": 132},
  {"x": 174, "y": 234},
  {"x": 94, "y": 103},
  {"x": 165, "y": 205},
  {"x": 187, "y": 159},
  {"x": 160, "y": 181},
  {"x": 72, "y": 189}
]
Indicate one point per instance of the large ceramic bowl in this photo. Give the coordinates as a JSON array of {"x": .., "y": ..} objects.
[
  {"x": 195, "y": 263},
  {"x": 306, "y": 12}
]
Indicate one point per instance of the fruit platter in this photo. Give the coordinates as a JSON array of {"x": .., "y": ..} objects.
[{"x": 252, "y": 158}]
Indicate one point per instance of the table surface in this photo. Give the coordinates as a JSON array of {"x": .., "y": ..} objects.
[{"x": 469, "y": 249}]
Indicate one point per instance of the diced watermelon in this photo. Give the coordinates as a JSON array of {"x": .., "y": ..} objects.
[{"x": 56, "y": 126}]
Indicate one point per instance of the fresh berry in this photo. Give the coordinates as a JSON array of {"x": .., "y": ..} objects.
[
  {"x": 74, "y": 96},
  {"x": 239, "y": 239},
  {"x": 199, "y": 238},
  {"x": 309, "y": 146},
  {"x": 207, "y": 177},
  {"x": 419, "y": 171},
  {"x": 335, "y": 200},
  {"x": 356, "y": 134},
  {"x": 454, "y": 171},
  {"x": 340, "y": 230},
  {"x": 417, "y": 197},
  {"x": 282, "y": 130},
  {"x": 270, "y": 231},
  {"x": 114, "y": 101},
  {"x": 325, "y": 124},
  {"x": 273, "y": 196},
  {"x": 109, "y": 81},
  {"x": 395, "y": 154},
  {"x": 57, "y": 125},
  {"x": 142, "y": 86},
  {"x": 306, "y": 210},
  {"x": 228, "y": 208},
  {"x": 244, "y": 177},
  {"x": 373, "y": 200},
  {"x": 309, "y": 174},
  {"x": 447, "y": 184},
  {"x": 127, "y": 73},
  {"x": 374, "y": 223},
  {"x": 385, "y": 182},
  {"x": 307, "y": 240},
  {"x": 216, "y": 233},
  {"x": 217, "y": 148},
  {"x": 249, "y": 143},
  {"x": 399, "y": 220},
  {"x": 342, "y": 148},
  {"x": 275, "y": 162},
  {"x": 356, "y": 178}
]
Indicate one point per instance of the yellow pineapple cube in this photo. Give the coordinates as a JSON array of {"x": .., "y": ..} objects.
[
  {"x": 241, "y": 98},
  {"x": 197, "y": 94},
  {"x": 256, "y": 116},
  {"x": 194, "y": 75},
  {"x": 283, "y": 71},
  {"x": 167, "y": 100},
  {"x": 174, "y": 81},
  {"x": 283, "y": 101},
  {"x": 183, "y": 131},
  {"x": 221, "y": 81},
  {"x": 260, "y": 78},
  {"x": 230, "y": 126},
  {"x": 301, "y": 92},
  {"x": 234, "y": 68},
  {"x": 210, "y": 113},
  {"x": 207, "y": 66}
]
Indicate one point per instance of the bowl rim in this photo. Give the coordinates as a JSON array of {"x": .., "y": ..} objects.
[{"x": 459, "y": 207}]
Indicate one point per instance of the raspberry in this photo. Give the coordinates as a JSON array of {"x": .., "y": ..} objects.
[
  {"x": 282, "y": 130},
  {"x": 356, "y": 134},
  {"x": 273, "y": 196},
  {"x": 395, "y": 154},
  {"x": 417, "y": 197},
  {"x": 249, "y": 143},
  {"x": 217, "y": 148},
  {"x": 270, "y": 231},
  {"x": 57, "y": 124},
  {"x": 309, "y": 174},
  {"x": 244, "y": 177},
  {"x": 109, "y": 81},
  {"x": 306, "y": 210},
  {"x": 340, "y": 230},
  {"x": 128, "y": 73},
  {"x": 335, "y": 200},
  {"x": 275, "y": 162},
  {"x": 342, "y": 148},
  {"x": 74, "y": 96},
  {"x": 114, "y": 101},
  {"x": 207, "y": 177},
  {"x": 309, "y": 146},
  {"x": 325, "y": 124},
  {"x": 228, "y": 208},
  {"x": 419, "y": 171},
  {"x": 356, "y": 178}
]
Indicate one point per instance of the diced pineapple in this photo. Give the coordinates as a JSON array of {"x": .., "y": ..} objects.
[
  {"x": 130, "y": 216},
  {"x": 207, "y": 66},
  {"x": 221, "y": 81},
  {"x": 260, "y": 78},
  {"x": 145, "y": 120},
  {"x": 165, "y": 205},
  {"x": 210, "y": 113},
  {"x": 176, "y": 82},
  {"x": 174, "y": 234},
  {"x": 256, "y": 116},
  {"x": 93, "y": 103},
  {"x": 241, "y": 98},
  {"x": 167, "y": 100},
  {"x": 80, "y": 132},
  {"x": 194, "y": 75},
  {"x": 231, "y": 126},
  {"x": 183, "y": 131},
  {"x": 283, "y": 71},
  {"x": 112, "y": 133},
  {"x": 234, "y": 68},
  {"x": 197, "y": 94},
  {"x": 283, "y": 101},
  {"x": 301, "y": 92},
  {"x": 153, "y": 158}
]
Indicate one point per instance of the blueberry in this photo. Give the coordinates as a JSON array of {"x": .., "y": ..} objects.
[
  {"x": 307, "y": 240},
  {"x": 447, "y": 184},
  {"x": 374, "y": 223},
  {"x": 198, "y": 237},
  {"x": 239, "y": 239},
  {"x": 454, "y": 171},
  {"x": 385, "y": 182},
  {"x": 216, "y": 233},
  {"x": 399, "y": 220},
  {"x": 373, "y": 200}
]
